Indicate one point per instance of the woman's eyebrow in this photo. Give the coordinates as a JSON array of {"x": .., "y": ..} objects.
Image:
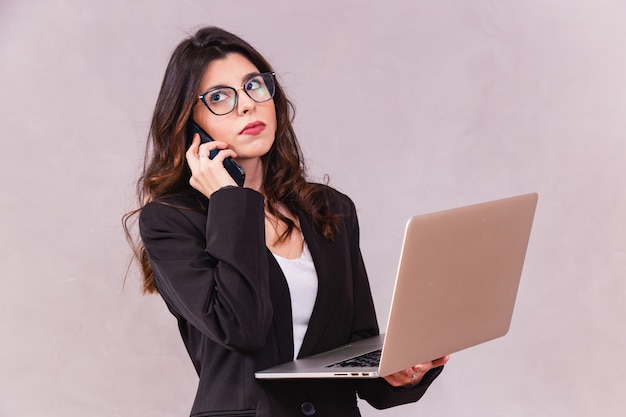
[
  {"x": 243, "y": 79},
  {"x": 249, "y": 75}
]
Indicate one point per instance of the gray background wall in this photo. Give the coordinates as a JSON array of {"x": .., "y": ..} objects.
[{"x": 409, "y": 106}]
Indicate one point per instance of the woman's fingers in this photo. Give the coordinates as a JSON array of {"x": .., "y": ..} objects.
[
  {"x": 425, "y": 367},
  {"x": 415, "y": 374},
  {"x": 192, "y": 151},
  {"x": 208, "y": 175},
  {"x": 441, "y": 361},
  {"x": 198, "y": 150},
  {"x": 407, "y": 377},
  {"x": 222, "y": 153}
]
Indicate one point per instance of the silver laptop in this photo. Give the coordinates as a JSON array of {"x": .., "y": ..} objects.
[{"x": 456, "y": 285}]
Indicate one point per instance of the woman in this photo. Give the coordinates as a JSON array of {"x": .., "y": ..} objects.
[{"x": 255, "y": 274}]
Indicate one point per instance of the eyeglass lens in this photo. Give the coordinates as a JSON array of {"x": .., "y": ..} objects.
[{"x": 223, "y": 100}]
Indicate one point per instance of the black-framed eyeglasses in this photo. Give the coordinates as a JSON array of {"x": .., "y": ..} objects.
[{"x": 223, "y": 100}]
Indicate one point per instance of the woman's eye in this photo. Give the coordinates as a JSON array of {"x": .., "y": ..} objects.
[
  {"x": 253, "y": 84},
  {"x": 217, "y": 96}
]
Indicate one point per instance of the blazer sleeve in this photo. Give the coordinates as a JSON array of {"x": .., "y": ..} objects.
[
  {"x": 377, "y": 392},
  {"x": 212, "y": 268}
]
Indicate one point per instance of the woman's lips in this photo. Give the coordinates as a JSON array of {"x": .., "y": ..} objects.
[{"x": 253, "y": 128}]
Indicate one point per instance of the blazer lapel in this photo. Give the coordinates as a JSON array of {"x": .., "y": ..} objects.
[
  {"x": 328, "y": 257},
  {"x": 281, "y": 304}
]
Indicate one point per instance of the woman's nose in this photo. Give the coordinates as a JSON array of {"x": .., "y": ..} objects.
[{"x": 244, "y": 103}]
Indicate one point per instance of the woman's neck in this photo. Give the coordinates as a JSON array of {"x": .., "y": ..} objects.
[{"x": 254, "y": 173}]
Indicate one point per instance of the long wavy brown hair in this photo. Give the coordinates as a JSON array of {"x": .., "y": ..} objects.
[{"x": 166, "y": 171}]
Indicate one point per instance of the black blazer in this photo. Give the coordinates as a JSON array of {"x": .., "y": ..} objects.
[{"x": 232, "y": 303}]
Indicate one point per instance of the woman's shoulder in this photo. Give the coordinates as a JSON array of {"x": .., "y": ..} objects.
[
  {"x": 173, "y": 204},
  {"x": 182, "y": 201},
  {"x": 336, "y": 200}
]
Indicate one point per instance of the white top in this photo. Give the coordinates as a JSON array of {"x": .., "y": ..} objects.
[{"x": 302, "y": 280}]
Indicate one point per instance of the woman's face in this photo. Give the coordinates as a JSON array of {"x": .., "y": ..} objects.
[{"x": 250, "y": 128}]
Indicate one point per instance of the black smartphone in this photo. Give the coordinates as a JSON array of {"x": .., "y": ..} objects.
[{"x": 231, "y": 166}]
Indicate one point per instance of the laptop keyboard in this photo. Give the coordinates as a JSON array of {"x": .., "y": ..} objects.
[{"x": 361, "y": 361}]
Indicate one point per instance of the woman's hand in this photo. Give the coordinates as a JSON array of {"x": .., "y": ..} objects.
[
  {"x": 414, "y": 375},
  {"x": 208, "y": 175}
]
